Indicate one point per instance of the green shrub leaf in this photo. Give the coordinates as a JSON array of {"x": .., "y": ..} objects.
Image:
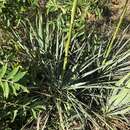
[
  {"x": 24, "y": 89},
  {"x": 10, "y": 82},
  {"x": 14, "y": 115},
  {"x": 3, "y": 71},
  {"x": 12, "y": 73},
  {"x": 34, "y": 113},
  {"x": 6, "y": 89},
  {"x": 14, "y": 90},
  {"x": 18, "y": 76}
]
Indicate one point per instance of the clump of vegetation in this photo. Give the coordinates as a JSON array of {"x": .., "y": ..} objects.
[{"x": 59, "y": 70}]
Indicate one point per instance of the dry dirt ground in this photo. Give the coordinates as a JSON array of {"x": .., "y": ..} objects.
[{"x": 117, "y": 6}]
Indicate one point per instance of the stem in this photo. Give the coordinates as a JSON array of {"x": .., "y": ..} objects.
[
  {"x": 69, "y": 35},
  {"x": 110, "y": 45}
]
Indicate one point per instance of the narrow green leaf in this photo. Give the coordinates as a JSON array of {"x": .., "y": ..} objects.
[
  {"x": 40, "y": 107},
  {"x": 122, "y": 80},
  {"x": 118, "y": 99},
  {"x": 40, "y": 32},
  {"x": 58, "y": 104},
  {"x": 120, "y": 111}
]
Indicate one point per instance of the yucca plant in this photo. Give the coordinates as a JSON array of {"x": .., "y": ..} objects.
[
  {"x": 117, "y": 107},
  {"x": 73, "y": 84}
]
